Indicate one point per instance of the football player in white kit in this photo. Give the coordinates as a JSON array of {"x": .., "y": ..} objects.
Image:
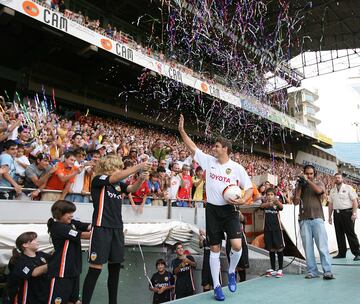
[{"x": 221, "y": 216}]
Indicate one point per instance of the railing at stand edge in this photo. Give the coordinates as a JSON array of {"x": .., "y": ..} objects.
[
  {"x": 5, "y": 190},
  {"x": 171, "y": 214},
  {"x": 168, "y": 201}
]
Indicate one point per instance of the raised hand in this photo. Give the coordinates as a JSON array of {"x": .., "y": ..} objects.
[
  {"x": 145, "y": 166},
  {"x": 53, "y": 168},
  {"x": 181, "y": 123}
]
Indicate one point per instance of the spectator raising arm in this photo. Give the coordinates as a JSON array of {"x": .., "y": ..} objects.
[
  {"x": 132, "y": 203},
  {"x": 134, "y": 187},
  {"x": 65, "y": 178},
  {"x": 119, "y": 175}
]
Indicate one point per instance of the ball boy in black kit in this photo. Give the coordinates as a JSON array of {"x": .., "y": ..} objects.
[
  {"x": 107, "y": 237},
  {"x": 27, "y": 281},
  {"x": 183, "y": 266},
  {"x": 274, "y": 239},
  {"x": 66, "y": 263},
  {"x": 162, "y": 283}
]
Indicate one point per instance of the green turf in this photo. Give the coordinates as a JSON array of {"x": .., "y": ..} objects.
[
  {"x": 347, "y": 261},
  {"x": 292, "y": 289}
]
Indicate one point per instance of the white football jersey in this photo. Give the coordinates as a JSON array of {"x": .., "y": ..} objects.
[{"x": 219, "y": 176}]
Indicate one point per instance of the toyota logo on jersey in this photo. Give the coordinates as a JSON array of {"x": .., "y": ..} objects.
[{"x": 220, "y": 178}]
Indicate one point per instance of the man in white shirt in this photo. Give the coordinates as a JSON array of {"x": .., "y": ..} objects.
[
  {"x": 163, "y": 163},
  {"x": 221, "y": 216},
  {"x": 183, "y": 160},
  {"x": 175, "y": 183},
  {"x": 343, "y": 202}
]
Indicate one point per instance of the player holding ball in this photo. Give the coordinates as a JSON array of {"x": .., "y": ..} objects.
[{"x": 221, "y": 215}]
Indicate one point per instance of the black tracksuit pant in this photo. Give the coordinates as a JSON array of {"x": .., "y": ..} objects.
[{"x": 345, "y": 226}]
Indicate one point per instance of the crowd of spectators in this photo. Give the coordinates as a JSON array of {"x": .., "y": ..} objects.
[{"x": 51, "y": 152}]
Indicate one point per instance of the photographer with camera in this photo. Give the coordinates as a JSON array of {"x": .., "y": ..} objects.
[{"x": 308, "y": 194}]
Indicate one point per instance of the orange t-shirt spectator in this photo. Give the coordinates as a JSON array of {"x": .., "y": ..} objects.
[{"x": 65, "y": 172}]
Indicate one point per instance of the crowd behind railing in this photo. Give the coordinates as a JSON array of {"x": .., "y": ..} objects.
[{"x": 43, "y": 150}]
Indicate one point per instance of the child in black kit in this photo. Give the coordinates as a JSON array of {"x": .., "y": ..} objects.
[
  {"x": 28, "y": 283},
  {"x": 183, "y": 268},
  {"x": 274, "y": 240},
  {"x": 65, "y": 267},
  {"x": 107, "y": 237},
  {"x": 162, "y": 283}
]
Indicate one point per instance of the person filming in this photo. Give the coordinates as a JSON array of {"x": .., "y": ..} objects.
[{"x": 308, "y": 194}]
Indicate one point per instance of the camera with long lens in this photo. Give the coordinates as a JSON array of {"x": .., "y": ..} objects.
[{"x": 301, "y": 181}]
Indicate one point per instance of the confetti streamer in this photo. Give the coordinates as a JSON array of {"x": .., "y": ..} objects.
[
  {"x": 224, "y": 41},
  {"x": 7, "y": 95},
  {"x": 53, "y": 98}
]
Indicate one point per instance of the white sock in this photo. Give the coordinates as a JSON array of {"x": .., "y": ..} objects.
[
  {"x": 215, "y": 267},
  {"x": 234, "y": 259}
]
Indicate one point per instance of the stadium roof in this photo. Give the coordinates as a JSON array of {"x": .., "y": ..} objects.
[
  {"x": 328, "y": 24},
  {"x": 331, "y": 24},
  {"x": 325, "y": 25}
]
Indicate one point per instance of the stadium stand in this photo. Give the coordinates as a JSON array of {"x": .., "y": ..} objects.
[
  {"x": 43, "y": 139},
  {"x": 90, "y": 137}
]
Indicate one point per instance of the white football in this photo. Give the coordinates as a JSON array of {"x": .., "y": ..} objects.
[{"x": 232, "y": 192}]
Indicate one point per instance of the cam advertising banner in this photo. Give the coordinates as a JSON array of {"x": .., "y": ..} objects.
[{"x": 60, "y": 22}]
